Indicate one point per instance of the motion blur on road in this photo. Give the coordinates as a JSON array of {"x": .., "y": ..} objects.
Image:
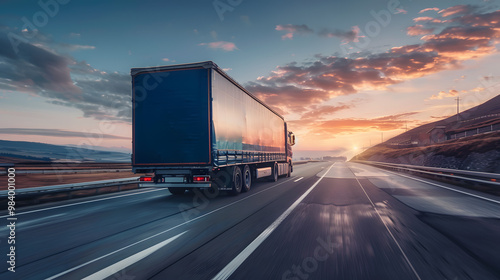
[{"x": 330, "y": 220}]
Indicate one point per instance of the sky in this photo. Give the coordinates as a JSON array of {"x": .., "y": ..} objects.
[{"x": 344, "y": 74}]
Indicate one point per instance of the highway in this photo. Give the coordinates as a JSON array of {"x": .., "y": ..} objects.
[{"x": 327, "y": 221}]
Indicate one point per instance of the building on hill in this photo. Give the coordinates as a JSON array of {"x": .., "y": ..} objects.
[
  {"x": 474, "y": 129},
  {"x": 437, "y": 134}
]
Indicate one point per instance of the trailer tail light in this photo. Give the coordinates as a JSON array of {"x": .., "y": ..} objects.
[
  {"x": 201, "y": 178},
  {"x": 146, "y": 179}
]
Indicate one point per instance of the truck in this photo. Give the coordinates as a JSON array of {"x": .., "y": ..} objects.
[{"x": 194, "y": 127}]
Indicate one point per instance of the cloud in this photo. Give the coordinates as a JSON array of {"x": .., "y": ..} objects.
[
  {"x": 285, "y": 98},
  {"x": 72, "y": 47},
  {"x": 318, "y": 112},
  {"x": 444, "y": 94},
  {"x": 295, "y": 87},
  {"x": 348, "y": 36},
  {"x": 287, "y": 36},
  {"x": 38, "y": 68},
  {"x": 428, "y": 19},
  {"x": 165, "y": 59},
  {"x": 223, "y": 45},
  {"x": 453, "y": 93},
  {"x": 74, "y": 35},
  {"x": 478, "y": 89},
  {"x": 457, "y": 10},
  {"x": 418, "y": 29},
  {"x": 464, "y": 42},
  {"x": 429, "y": 9},
  {"x": 353, "y": 125},
  {"x": 31, "y": 68},
  {"x": 293, "y": 29},
  {"x": 401, "y": 11},
  {"x": 56, "y": 133}
]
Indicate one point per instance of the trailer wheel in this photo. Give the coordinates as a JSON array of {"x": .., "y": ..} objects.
[
  {"x": 177, "y": 191},
  {"x": 274, "y": 174},
  {"x": 237, "y": 182},
  {"x": 289, "y": 170},
  {"x": 247, "y": 179}
]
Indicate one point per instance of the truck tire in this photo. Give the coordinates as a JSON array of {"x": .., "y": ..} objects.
[
  {"x": 274, "y": 174},
  {"x": 177, "y": 191},
  {"x": 289, "y": 170},
  {"x": 247, "y": 179},
  {"x": 237, "y": 181}
]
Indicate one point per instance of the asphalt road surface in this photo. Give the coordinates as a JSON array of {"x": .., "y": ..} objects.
[{"x": 327, "y": 221}]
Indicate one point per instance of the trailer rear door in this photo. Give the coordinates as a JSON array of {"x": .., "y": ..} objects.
[{"x": 171, "y": 117}]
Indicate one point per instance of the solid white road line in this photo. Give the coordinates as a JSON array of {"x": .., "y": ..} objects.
[
  {"x": 78, "y": 203},
  {"x": 444, "y": 187},
  {"x": 109, "y": 254},
  {"x": 112, "y": 269},
  {"x": 390, "y": 233},
  {"x": 241, "y": 257},
  {"x": 167, "y": 230},
  {"x": 299, "y": 179}
]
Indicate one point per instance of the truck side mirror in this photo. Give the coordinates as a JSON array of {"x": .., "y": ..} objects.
[{"x": 291, "y": 138}]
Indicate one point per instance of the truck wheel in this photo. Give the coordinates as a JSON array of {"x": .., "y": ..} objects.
[
  {"x": 177, "y": 191},
  {"x": 274, "y": 174},
  {"x": 247, "y": 179},
  {"x": 289, "y": 170},
  {"x": 237, "y": 182}
]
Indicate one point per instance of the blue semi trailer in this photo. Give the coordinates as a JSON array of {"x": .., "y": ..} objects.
[{"x": 193, "y": 126}]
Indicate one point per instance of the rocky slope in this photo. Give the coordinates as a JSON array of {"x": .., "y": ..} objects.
[{"x": 478, "y": 153}]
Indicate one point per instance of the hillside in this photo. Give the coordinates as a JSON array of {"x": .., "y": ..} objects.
[
  {"x": 472, "y": 143},
  {"x": 483, "y": 115},
  {"x": 477, "y": 153},
  {"x": 22, "y": 151}
]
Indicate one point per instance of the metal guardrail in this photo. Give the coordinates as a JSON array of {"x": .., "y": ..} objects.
[
  {"x": 67, "y": 171},
  {"x": 72, "y": 187},
  {"x": 465, "y": 175},
  {"x": 78, "y": 186}
]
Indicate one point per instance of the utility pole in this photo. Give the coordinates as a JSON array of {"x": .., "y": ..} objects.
[
  {"x": 382, "y": 136},
  {"x": 458, "y": 108}
]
